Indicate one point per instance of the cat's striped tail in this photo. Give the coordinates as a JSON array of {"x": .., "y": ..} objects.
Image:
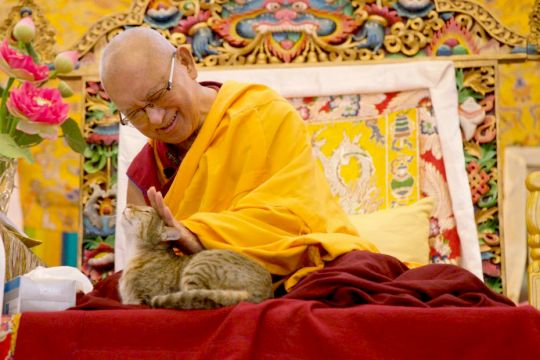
[{"x": 199, "y": 299}]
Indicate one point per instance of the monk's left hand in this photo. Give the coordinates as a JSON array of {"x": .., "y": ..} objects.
[{"x": 188, "y": 242}]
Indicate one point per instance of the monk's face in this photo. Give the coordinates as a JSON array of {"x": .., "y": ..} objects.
[{"x": 138, "y": 87}]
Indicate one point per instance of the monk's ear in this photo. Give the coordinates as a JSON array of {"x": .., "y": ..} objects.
[
  {"x": 171, "y": 234},
  {"x": 183, "y": 54}
]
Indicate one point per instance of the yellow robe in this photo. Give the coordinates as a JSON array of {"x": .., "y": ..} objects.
[{"x": 249, "y": 183}]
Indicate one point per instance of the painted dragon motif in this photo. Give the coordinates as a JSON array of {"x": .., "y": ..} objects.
[{"x": 285, "y": 26}]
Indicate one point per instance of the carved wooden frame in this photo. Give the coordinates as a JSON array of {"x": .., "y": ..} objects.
[
  {"x": 533, "y": 236},
  {"x": 517, "y": 162}
]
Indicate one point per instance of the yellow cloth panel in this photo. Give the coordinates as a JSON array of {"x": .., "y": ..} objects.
[
  {"x": 49, "y": 190},
  {"x": 50, "y": 197},
  {"x": 511, "y": 13},
  {"x": 275, "y": 204},
  {"x": 520, "y": 104},
  {"x": 402, "y": 232},
  {"x": 50, "y": 252}
]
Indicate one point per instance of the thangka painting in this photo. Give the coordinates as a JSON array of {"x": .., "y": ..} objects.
[{"x": 383, "y": 150}]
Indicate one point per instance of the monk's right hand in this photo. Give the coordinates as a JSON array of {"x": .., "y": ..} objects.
[{"x": 188, "y": 242}]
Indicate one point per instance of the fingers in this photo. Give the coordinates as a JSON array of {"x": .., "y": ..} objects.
[
  {"x": 188, "y": 240},
  {"x": 157, "y": 202},
  {"x": 151, "y": 194},
  {"x": 169, "y": 218}
]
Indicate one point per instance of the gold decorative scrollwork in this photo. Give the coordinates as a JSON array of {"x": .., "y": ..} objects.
[
  {"x": 534, "y": 24},
  {"x": 480, "y": 79},
  {"x": 44, "y": 42},
  {"x": 134, "y": 16},
  {"x": 482, "y": 16},
  {"x": 316, "y": 50},
  {"x": 408, "y": 36}
]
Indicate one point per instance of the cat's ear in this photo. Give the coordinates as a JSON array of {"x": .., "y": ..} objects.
[{"x": 171, "y": 234}]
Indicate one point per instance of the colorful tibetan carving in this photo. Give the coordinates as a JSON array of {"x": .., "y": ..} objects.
[
  {"x": 202, "y": 38},
  {"x": 235, "y": 32},
  {"x": 162, "y": 14},
  {"x": 283, "y": 30},
  {"x": 231, "y": 32},
  {"x": 477, "y": 120},
  {"x": 372, "y": 33},
  {"x": 99, "y": 183},
  {"x": 452, "y": 39},
  {"x": 413, "y": 8}
]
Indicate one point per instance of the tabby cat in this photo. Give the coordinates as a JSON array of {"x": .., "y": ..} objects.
[{"x": 209, "y": 279}]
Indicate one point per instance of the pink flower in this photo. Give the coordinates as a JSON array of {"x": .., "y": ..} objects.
[
  {"x": 40, "y": 110},
  {"x": 65, "y": 61},
  {"x": 20, "y": 66}
]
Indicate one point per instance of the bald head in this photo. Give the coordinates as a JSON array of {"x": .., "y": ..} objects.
[
  {"x": 133, "y": 53},
  {"x": 135, "y": 70}
]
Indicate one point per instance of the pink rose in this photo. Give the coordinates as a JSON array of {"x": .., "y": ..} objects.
[
  {"x": 40, "y": 110},
  {"x": 21, "y": 66}
]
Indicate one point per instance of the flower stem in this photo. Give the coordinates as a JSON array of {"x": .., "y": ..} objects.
[
  {"x": 32, "y": 52},
  {"x": 3, "y": 108},
  {"x": 12, "y": 125}
]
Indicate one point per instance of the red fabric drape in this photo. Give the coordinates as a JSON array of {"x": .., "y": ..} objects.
[{"x": 362, "y": 305}]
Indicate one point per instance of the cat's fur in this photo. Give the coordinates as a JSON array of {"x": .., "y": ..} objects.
[{"x": 211, "y": 278}]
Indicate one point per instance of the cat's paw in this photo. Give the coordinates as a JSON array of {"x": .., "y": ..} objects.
[{"x": 158, "y": 301}]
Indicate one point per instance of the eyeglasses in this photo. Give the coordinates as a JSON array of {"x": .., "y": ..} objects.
[{"x": 136, "y": 116}]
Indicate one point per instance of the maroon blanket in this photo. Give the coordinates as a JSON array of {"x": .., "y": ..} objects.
[
  {"x": 360, "y": 277},
  {"x": 319, "y": 319}
]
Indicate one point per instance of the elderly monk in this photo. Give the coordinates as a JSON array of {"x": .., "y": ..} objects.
[{"x": 233, "y": 160}]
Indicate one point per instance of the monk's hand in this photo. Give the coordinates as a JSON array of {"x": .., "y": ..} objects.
[{"x": 188, "y": 242}]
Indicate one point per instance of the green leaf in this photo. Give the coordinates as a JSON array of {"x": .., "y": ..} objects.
[
  {"x": 459, "y": 78},
  {"x": 9, "y": 148},
  {"x": 462, "y": 96},
  {"x": 73, "y": 135},
  {"x": 29, "y": 139},
  {"x": 494, "y": 283},
  {"x": 110, "y": 240}
]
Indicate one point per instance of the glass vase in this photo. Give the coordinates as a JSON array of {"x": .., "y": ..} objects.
[{"x": 8, "y": 167}]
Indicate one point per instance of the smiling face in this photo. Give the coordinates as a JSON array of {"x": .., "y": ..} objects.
[{"x": 136, "y": 67}]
